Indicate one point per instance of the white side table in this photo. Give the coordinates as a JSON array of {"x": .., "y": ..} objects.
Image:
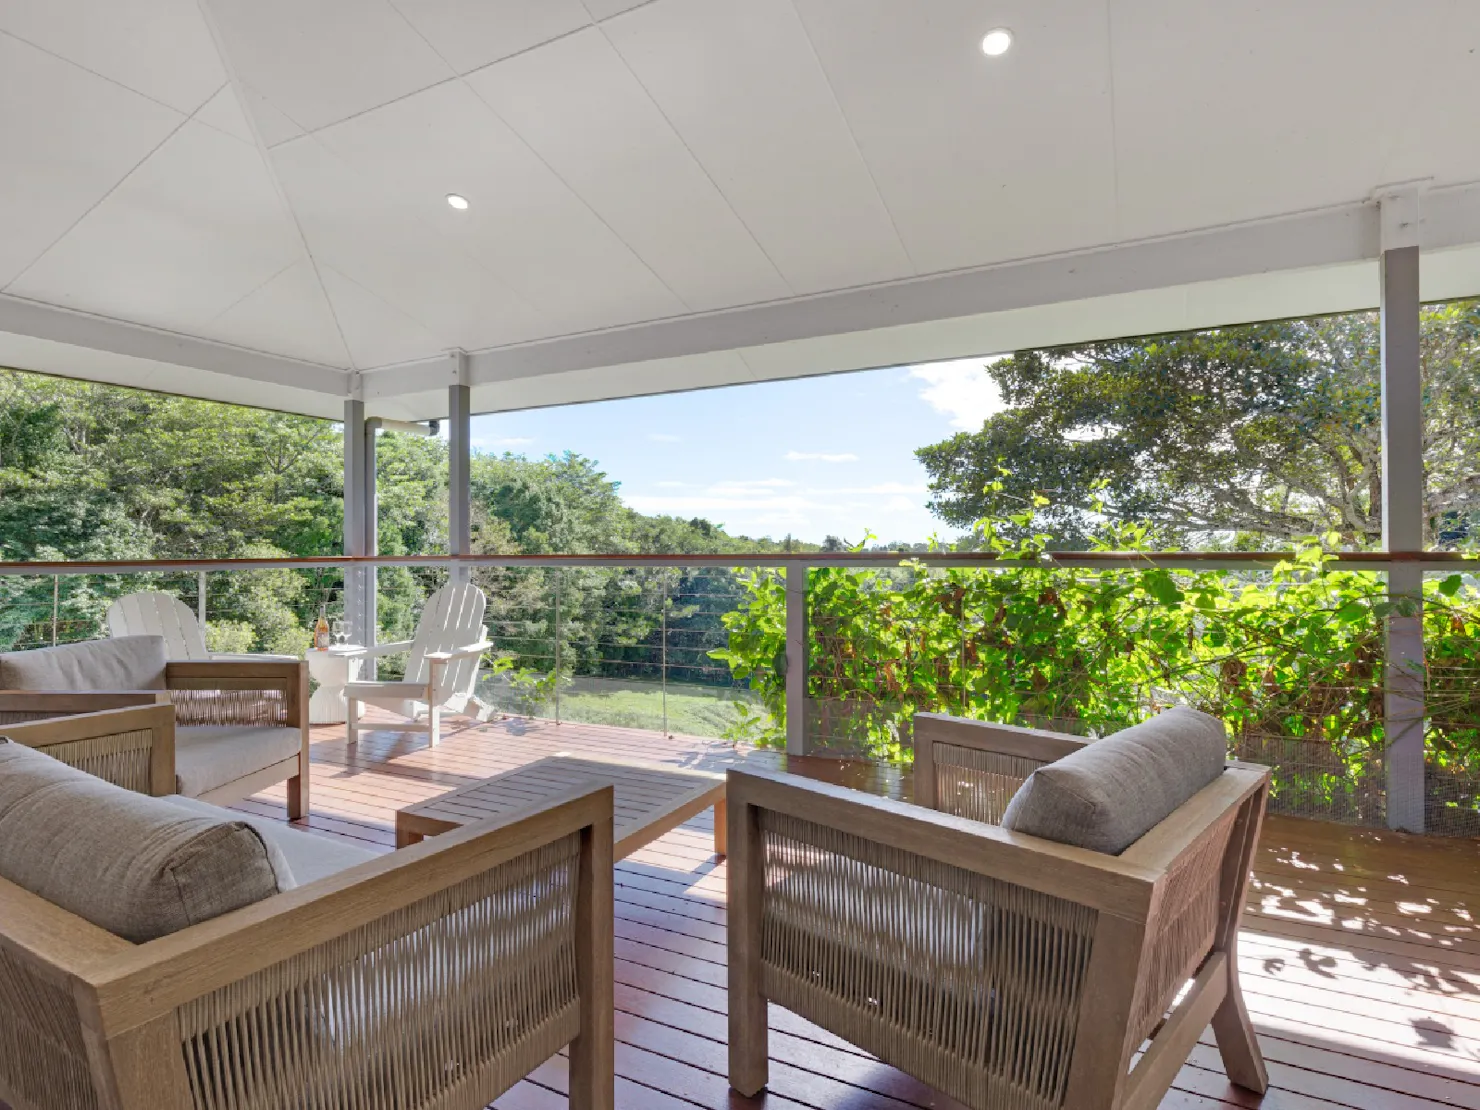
[{"x": 332, "y": 671}]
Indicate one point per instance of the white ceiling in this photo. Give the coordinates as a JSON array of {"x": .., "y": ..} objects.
[{"x": 654, "y": 185}]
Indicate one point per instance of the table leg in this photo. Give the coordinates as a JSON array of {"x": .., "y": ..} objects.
[
  {"x": 405, "y": 837},
  {"x": 721, "y": 828}
]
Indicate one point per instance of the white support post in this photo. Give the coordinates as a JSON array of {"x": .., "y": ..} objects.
[
  {"x": 200, "y": 601},
  {"x": 1402, "y": 507},
  {"x": 459, "y": 463},
  {"x": 371, "y": 575},
  {"x": 354, "y": 518},
  {"x": 796, "y": 659}
]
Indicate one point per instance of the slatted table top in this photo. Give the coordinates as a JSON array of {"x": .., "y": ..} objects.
[{"x": 648, "y": 798}]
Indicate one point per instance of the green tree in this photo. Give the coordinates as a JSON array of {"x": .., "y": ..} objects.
[{"x": 1270, "y": 431}]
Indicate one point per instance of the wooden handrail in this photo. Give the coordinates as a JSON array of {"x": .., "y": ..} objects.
[{"x": 1170, "y": 560}]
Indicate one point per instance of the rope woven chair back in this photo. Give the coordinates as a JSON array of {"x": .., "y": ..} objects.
[
  {"x": 452, "y": 619},
  {"x": 159, "y": 614}
]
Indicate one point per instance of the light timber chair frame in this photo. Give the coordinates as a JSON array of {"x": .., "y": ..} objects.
[
  {"x": 334, "y": 993},
  {"x": 258, "y": 692},
  {"x": 132, "y": 746},
  {"x": 1005, "y": 970}
]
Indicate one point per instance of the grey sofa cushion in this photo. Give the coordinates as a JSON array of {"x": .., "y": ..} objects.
[
  {"x": 1110, "y": 793},
  {"x": 210, "y": 756},
  {"x": 310, "y": 857},
  {"x": 136, "y": 866},
  {"x": 127, "y": 663}
]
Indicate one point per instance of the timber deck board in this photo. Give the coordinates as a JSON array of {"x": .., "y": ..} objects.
[{"x": 1360, "y": 955}]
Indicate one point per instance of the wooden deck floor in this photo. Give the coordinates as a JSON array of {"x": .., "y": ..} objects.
[{"x": 1360, "y": 957}]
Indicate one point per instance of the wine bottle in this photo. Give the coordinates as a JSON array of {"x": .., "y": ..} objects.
[{"x": 321, "y": 630}]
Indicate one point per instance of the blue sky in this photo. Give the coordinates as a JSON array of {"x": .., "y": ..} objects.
[{"x": 812, "y": 457}]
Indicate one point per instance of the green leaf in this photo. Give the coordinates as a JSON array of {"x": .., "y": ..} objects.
[{"x": 1159, "y": 584}]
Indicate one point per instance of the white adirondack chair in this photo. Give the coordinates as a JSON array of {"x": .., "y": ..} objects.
[
  {"x": 159, "y": 614},
  {"x": 441, "y": 670}
]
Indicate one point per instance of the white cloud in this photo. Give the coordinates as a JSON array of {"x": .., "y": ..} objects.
[
  {"x": 961, "y": 390},
  {"x": 664, "y": 437},
  {"x": 883, "y": 488},
  {"x": 674, "y": 485},
  {"x": 817, "y": 456},
  {"x": 753, "y": 483}
]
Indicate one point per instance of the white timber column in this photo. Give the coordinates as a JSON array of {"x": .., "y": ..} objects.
[
  {"x": 1402, "y": 506},
  {"x": 796, "y": 659},
  {"x": 354, "y": 517},
  {"x": 459, "y": 464},
  {"x": 371, "y": 575}
]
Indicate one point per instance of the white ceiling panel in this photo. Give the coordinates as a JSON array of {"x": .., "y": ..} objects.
[
  {"x": 224, "y": 112},
  {"x": 326, "y": 60},
  {"x": 272, "y": 125},
  {"x": 289, "y": 315},
  {"x": 525, "y": 225},
  {"x": 743, "y": 87},
  {"x": 578, "y": 106},
  {"x": 195, "y": 228},
  {"x": 605, "y": 9},
  {"x": 979, "y": 159},
  {"x": 403, "y": 253},
  {"x": 68, "y": 137},
  {"x": 161, "y": 48},
  {"x": 1282, "y": 108},
  {"x": 1428, "y": 142},
  {"x": 472, "y": 33},
  {"x": 377, "y": 332},
  {"x": 675, "y": 181}
]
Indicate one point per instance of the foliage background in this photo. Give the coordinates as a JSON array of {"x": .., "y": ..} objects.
[
  {"x": 1290, "y": 659},
  {"x": 96, "y": 472}
]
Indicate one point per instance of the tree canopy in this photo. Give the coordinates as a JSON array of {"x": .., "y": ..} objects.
[
  {"x": 1266, "y": 431},
  {"x": 98, "y": 472}
]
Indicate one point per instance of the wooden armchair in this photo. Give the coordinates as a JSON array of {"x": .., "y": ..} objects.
[
  {"x": 238, "y": 726},
  {"x": 435, "y": 977},
  {"x": 1005, "y": 970}
]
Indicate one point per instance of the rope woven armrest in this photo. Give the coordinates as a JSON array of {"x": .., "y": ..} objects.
[
  {"x": 34, "y": 705},
  {"x": 133, "y": 748},
  {"x": 1032, "y": 743},
  {"x": 231, "y": 674}
]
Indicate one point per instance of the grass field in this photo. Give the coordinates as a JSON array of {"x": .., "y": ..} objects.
[{"x": 691, "y": 710}]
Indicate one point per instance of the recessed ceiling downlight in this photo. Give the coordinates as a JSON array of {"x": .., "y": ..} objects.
[
  {"x": 997, "y": 42},
  {"x": 458, "y": 201}
]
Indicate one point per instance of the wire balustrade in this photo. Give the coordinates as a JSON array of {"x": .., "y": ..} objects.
[{"x": 631, "y": 641}]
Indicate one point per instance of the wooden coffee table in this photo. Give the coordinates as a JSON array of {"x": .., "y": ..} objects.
[{"x": 649, "y": 799}]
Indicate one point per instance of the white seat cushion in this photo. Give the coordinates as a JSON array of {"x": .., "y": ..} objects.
[
  {"x": 309, "y": 857},
  {"x": 127, "y": 663},
  {"x": 210, "y": 756}
]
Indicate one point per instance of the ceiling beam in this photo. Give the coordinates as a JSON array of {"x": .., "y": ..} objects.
[{"x": 99, "y": 333}]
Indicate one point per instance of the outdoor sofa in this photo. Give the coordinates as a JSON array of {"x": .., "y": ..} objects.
[
  {"x": 237, "y": 727},
  {"x": 159, "y": 953},
  {"x": 1024, "y": 935}
]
